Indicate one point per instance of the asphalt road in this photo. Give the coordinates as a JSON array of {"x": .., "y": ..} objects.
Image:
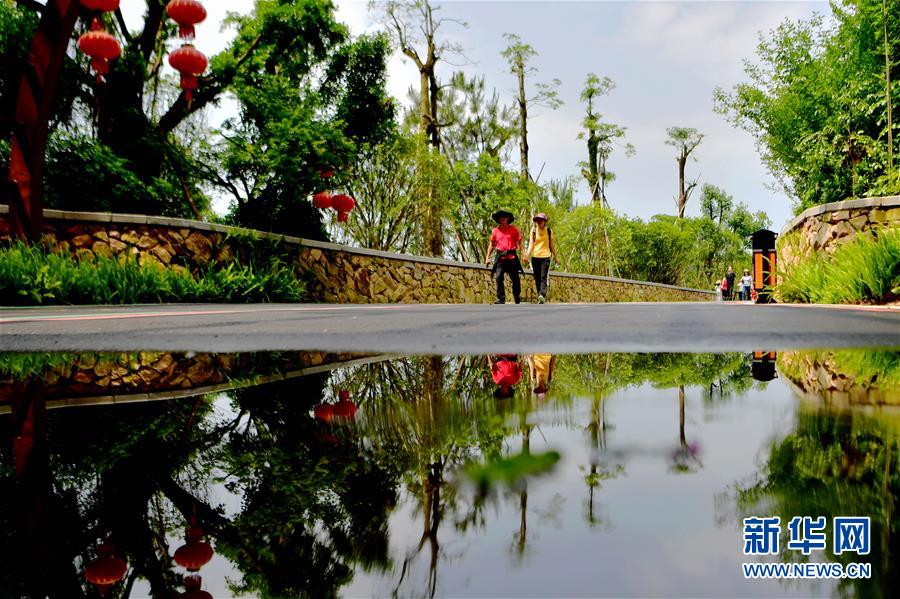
[{"x": 449, "y": 329}]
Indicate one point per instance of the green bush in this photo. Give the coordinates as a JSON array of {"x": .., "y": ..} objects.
[
  {"x": 866, "y": 270},
  {"x": 32, "y": 275}
]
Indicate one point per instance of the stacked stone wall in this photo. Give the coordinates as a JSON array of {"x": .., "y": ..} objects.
[
  {"x": 333, "y": 273},
  {"x": 822, "y": 229}
]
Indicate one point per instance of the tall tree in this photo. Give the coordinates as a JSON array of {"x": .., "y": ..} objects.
[
  {"x": 308, "y": 95},
  {"x": 685, "y": 140},
  {"x": 517, "y": 55},
  {"x": 601, "y": 138},
  {"x": 816, "y": 100},
  {"x": 414, "y": 28}
]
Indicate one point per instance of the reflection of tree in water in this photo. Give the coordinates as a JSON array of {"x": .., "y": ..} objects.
[
  {"x": 315, "y": 496},
  {"x": 313, "y": 507},
  {"x": 836, "y": 464},
  {"x": 686, "y": 458}
]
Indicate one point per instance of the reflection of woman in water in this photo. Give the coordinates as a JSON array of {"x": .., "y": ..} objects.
[
  {"x": 540, "y": 366},
  {"x": 506, "y": 373}
]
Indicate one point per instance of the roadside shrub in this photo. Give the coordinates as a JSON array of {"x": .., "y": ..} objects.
[
  {"x": 32, "y": 275},
  {"x": 865, "y": 270}
]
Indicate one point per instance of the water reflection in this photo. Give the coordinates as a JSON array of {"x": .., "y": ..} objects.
[{"x": 318, "y": 475}]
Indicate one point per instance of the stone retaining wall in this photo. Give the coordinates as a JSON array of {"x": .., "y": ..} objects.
[
  {"x": 334, "y": 273},
  {"x": 822, "y": 376},
  {"x": 127, "y": 376},
  {"x": 822, "y": 229}
]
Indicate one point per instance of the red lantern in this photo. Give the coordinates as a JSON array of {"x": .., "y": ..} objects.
[
  {"x": 326, "y": 173},
  {"x": 106, "y": 570},
  {"x": 342, "y": 203},
  {"x": 192, "y": 589},
  {"x": 101, "y": 47},
  {"x": 101, "y": 5},
  {"x": 196, "y": 552},
  {"x": 186, "y": 13},
  {"x": 190, "y": 62},
  {"x": 324, "y": 412},
  {"x": 345, "y": 409},
  {"x": 322, "y": 200}
]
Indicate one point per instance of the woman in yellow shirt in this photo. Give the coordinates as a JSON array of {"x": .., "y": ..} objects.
[{"x": 540, "y": 250}]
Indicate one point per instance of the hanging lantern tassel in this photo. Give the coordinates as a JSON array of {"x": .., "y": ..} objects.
[
  {"x": 190, "y": 62},
  {"x": 186, "y": 13}
]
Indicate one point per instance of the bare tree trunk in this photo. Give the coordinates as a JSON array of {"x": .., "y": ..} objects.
[
  {"x": 523, "y": 122},
  {"x": 682, "y": 196}
]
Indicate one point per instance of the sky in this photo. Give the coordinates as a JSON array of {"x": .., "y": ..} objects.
[{"x": 666, "y": 59}]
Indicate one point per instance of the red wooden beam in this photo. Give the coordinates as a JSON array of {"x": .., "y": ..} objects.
[{"x": 34, "y": 104}]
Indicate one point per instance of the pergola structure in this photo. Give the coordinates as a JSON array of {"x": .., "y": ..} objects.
[{"x": 33, "y": 106}]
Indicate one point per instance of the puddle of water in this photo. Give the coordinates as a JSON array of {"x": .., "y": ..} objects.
[{"x": 314, "y": 474}]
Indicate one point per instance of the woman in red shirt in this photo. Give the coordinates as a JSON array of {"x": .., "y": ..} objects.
[{"x": 503, "y": 248}]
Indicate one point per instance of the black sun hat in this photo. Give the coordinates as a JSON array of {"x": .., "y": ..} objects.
[{"x": 496, "y": 216}]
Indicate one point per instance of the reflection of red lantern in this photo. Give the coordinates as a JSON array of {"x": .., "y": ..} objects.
[
  {"x": 324, "y": 412},
  {"x": 342, "y": 202},
  {"x": 196, "y": 552},
  {"x": 101, "y": 5},
  {"x": 192, "y": 589},
  {"x": 344, "y": 395},
  {"x": 186, "y": 13},
  {"x": 190, "y": 62},
  {"x": 322, "y": 200},
  {"x": 345, "y": 409},
  {"x": 106, "y": 570},
  {"x": 101, "y": 47}
]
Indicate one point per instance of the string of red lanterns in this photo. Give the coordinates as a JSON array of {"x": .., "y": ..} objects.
[
  {"x": 187, "y": 60},
  {"x": 102, "y": 47},
  {"x": 341, "y": 203}
]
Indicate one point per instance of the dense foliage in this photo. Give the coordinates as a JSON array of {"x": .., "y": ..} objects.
[
  {"x": 308, "y": 96},
  {"x": 816, "y": 101}
]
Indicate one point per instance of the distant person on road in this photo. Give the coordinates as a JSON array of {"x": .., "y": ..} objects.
[
  {"x": 506, "y": 372},
  {"x": 503, "y": 249},
  {"x": 718, "y": 291},
  {"x": 728, "y": 284},
  {"x": 540, "y": 367},
  {"x": 746, "y": 284},
  {"x": 540, "y": 251}
]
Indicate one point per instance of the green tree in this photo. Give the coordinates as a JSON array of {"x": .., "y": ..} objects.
[
  {"x": 308, "y": 96},
  {"x": 517, "y": 55},
  {"x": 818, "y": 103},
  {"x": 601, "y": 138}
]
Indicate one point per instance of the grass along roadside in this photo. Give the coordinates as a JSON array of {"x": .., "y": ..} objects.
[
  {"x": 32, "y": 275},
  {"x": 865, "y": 270}
]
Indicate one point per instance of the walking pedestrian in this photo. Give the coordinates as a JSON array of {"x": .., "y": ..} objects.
[
  {"x": 746, "y": 284},
  {"x": 540, "y": 367},
  {"x": 728, "y": 284},
  {"x": 503, "y": 248},
  {"x": 506, "y": 372},
  {"x": 540, "y": 251}
]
